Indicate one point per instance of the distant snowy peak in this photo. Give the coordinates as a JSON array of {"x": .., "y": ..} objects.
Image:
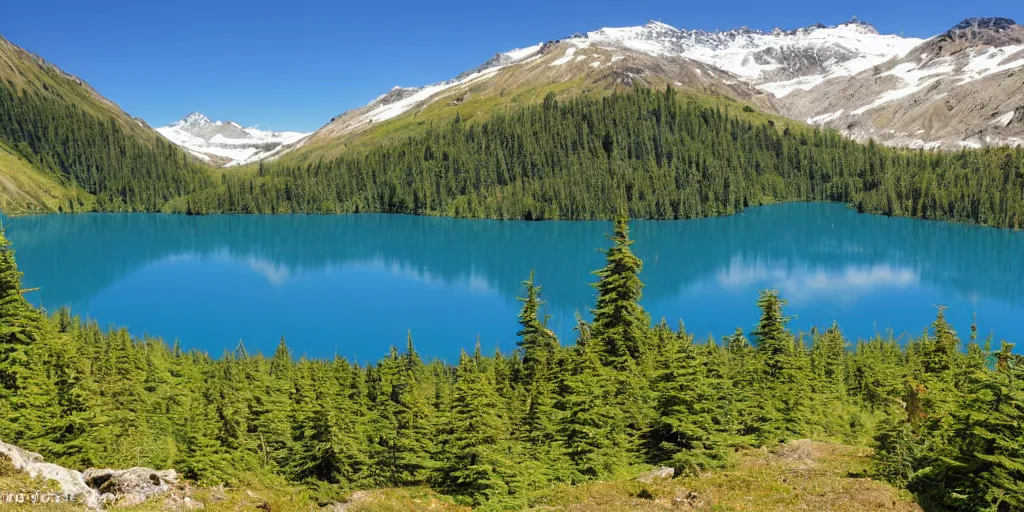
[
  {"x": 226, "y": 143},
  {"x": 195, "y": 119},
  {"x": 779, "y": 61}
]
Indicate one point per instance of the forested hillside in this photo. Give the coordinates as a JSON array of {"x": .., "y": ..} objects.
[
  {"x": 70, "y": 149},
  {"x": 664, "y": 157},
  {"x": 498, "y": 430}
]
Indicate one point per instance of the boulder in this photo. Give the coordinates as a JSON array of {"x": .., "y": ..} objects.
[
  {"x": 70, "y": 481},
  {"x": 129, "y": 487},
  {"x": 661, "y": 473}
]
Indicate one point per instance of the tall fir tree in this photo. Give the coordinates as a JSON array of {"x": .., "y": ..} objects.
[
  {"x": 621, "y": 326},
  {"x": 478, "y": 445}
]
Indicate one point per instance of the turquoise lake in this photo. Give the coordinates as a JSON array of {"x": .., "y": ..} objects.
[{"x": 354, "y": 285}]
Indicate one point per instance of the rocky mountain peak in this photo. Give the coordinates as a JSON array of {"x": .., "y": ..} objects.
[
  {"x": 657, "y": 25},
  {"x": 861, "y": 25},
  {"x": 195, "y": 119},
  {"x": 997, "y": 24},
  {"x": 981, "y": 32}
]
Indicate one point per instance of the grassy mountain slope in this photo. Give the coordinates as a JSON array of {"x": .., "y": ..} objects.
[
  {"x": 26, "y": 71},
  {"x": 65, "y": 147}
]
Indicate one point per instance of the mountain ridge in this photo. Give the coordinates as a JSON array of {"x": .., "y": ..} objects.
[{"x": 742, "y": 64}]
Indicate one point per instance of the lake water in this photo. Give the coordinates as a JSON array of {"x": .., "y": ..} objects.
[{"x": 354, "y": 285}]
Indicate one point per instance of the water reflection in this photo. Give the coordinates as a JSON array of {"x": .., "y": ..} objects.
[{"x": 865, "y": 271}]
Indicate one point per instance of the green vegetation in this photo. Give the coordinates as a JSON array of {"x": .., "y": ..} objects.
[
  {"x": 510, "y": 430},
  {"x": 662, "y": 156}
]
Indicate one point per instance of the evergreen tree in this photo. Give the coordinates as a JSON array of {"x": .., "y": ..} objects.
[
  {"x": 538, "y": 343},
  {"x": 592, "y": 429},
  {"x": 404, "y": 425},
  {"x": 20, "y": 328},
  {"x": 620, "y": 327},
  {"x": 685, "y": 434},
  {"x": 478, "y": 445},
  {"x": 784, "y": 372},
  {"x": 330, "y": 446}
]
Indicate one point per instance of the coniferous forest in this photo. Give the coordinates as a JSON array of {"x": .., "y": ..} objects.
[
  {"x": 662, "y": 155},
  {"x": 943, "y": 414},
  {"x": 97, "y": 155}
]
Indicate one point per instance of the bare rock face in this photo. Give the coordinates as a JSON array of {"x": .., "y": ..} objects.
[
  {"x": 661, "y": 473},
  {"x": 70, "y": 481},
  {"x": 129, "y": 487},
  {"x": 1018, "y": 116}
]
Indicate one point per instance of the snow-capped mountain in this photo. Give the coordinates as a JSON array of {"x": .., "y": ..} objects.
[
  {"x": 509, "y": 76},
  {"x": 779, "y": 61},
  {"x": 225, "y": 143},
  {"x": 775, "y": 63},
  {"x": 962, "y": 88}
]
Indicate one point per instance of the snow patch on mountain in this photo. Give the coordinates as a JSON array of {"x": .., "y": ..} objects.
[
  {"x": 1004, "y": 120},
  {"x": 824, "y": 118},
  {"x": 569, "y": 52},
  {"x": 226, "y": 143},
  {"x": 523, "y": 53},
  {"x": 989, "y": 61}
]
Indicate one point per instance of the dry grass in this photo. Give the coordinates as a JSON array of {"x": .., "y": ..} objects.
[
  {"x": 400, "y": 500},
  {"x": 803, "y": 475}
]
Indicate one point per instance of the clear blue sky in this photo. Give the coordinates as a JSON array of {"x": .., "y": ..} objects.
[{"x": 292, "y": 65}]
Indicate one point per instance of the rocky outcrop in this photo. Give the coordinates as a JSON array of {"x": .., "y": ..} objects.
[
  {"x": 96, "y": 488},
  {"x": 983, "y": 31},
  {"x": 71, "y": 482}
]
